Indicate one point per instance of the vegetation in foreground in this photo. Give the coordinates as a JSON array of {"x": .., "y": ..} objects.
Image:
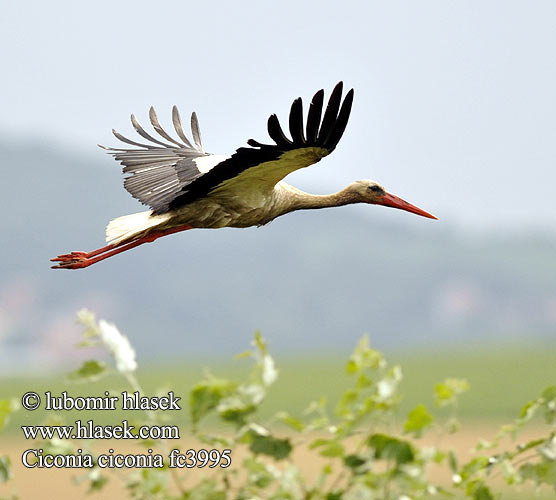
[
  {"x": 502, "y": 378},
  {"x": 366, "y": 455}
]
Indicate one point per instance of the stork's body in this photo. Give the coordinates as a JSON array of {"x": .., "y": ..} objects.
[
  {"x": 254, "y": 209},
  {"x": 187, "y": 188}
]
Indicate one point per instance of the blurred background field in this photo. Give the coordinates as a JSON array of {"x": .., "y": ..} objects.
[{"x": 502, "y": 378}]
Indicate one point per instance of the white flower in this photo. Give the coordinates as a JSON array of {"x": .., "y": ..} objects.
[
  {"x": 269, "y": 372},
  {"x": 118, "y": 345},
  {"x": 548, "y": 449},
  {"x": 456, "y": 479},
  {"x": 86, "y": 317},
  {"x": 388, "y": 385}
]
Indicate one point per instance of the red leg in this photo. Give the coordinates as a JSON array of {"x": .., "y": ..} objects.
[
  {"x": 79, "y": 260},
  {"x": 74, "y": 255}
]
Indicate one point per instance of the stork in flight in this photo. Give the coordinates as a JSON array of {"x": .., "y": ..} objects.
[{"x": 187, "y": 188}]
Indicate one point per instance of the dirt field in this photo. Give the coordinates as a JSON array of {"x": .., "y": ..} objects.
[{"x": 59, "y": 483}]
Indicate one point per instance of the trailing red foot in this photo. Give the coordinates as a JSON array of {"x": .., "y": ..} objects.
[
  {"x": 73, "y": 260},
  {"x": 79, "y": 260}
]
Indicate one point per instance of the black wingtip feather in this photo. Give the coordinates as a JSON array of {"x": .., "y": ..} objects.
[
  {"x": 256, "y": 144},
  {"x": 331, "y": 113},
  {"x": 296, "y": 122},
  {"x": 276, "y": 133},
  {"x": 325, "y": 134},
  {"x": 340, "y": 124},
  {"x": 314, "y": 116}
]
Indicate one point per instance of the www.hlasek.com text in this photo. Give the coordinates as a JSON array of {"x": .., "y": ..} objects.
[{"x": 89, "y": 430}]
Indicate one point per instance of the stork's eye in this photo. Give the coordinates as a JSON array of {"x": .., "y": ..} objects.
[{"x": 376, "y": 189}]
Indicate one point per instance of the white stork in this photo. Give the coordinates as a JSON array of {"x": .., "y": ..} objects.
[{"x": 187, "y": 188}]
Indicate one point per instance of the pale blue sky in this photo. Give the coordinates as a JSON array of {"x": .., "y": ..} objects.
[{"x": 455, "y": 104}]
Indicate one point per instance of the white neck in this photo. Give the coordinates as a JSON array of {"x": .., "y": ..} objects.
[{"x": 291, "y": 199}]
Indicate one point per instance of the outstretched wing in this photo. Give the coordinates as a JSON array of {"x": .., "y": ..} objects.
[
  {"x": 169, "y": 176},
  {"x": 159, "y": 171},
  {"x": 261, "y": 166}
]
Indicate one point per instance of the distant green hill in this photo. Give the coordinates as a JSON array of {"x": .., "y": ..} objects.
[{"x": 312, "y": 282}]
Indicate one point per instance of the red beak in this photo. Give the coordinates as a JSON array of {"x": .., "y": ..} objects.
[{"x": 391, "y": 200}]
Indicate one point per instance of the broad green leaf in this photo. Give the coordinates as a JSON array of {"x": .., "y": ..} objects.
[
  {"x": 206, "y": 396},
  {"x": 433, "y": 455},
  {"x": 97, "y": 482},
  {"x": 333, "y": 448},
  {"x": 152, "y": 482},
  {"x": 318, "y": 423},
  {"x": 543, "y": 472},
  {"x": 318, "y": 442},
  {"x": 418, "y": 420},
  {"x": 328, "y": 447},
  {"x": 389, "y": 448},
  {"x": 262, "y": 442},
  {"x": 363, "y": 381},
  {"x": 529, "y": 471},
  {"x": 353, "y": 461},
  {"x": 482, "y": 493},
  {"x": 446, "y": 393},
  {"x": 87, "y": 343},
  {"x": 271, "y": 446},
  {"x": 509, "y": 473},
  {"x": 260, "y": 343},
  {"x": 205, "y": 489},
  {"x": 211, "y": 440},
  {"x": 316, "y": 406},
  {"x": 364, "y": 357},
  {"x": 89, "y": 371},
  {"x": 235, "y": 409},
  {"x": 452, "y": 425},
  {"x": 243, "y": 402},
  {"x": 453, "y": 461},
  {"x": 7, "y": 407},
  {"x": 335, "y": 495},
  {"x": 549, "y": 394},
  {"x": 290, "y": 421},
  {"x": 347, "y": 401},
  {"x": 257, "y": 473},
  {"x": 474, "y": 465},
  {"x": 244, "y": 354},
  {"x": 528, "y": 411},
  {"x": 549, "y": 404},
  {"x": 5, "y": 472}
]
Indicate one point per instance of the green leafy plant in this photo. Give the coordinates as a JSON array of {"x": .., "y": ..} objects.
[
  {"x": 363, "y": 447},
  {"x": 7, "y": 408}
]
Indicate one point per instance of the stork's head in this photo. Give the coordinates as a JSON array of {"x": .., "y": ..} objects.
[{"x": 371, "y": 192}]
